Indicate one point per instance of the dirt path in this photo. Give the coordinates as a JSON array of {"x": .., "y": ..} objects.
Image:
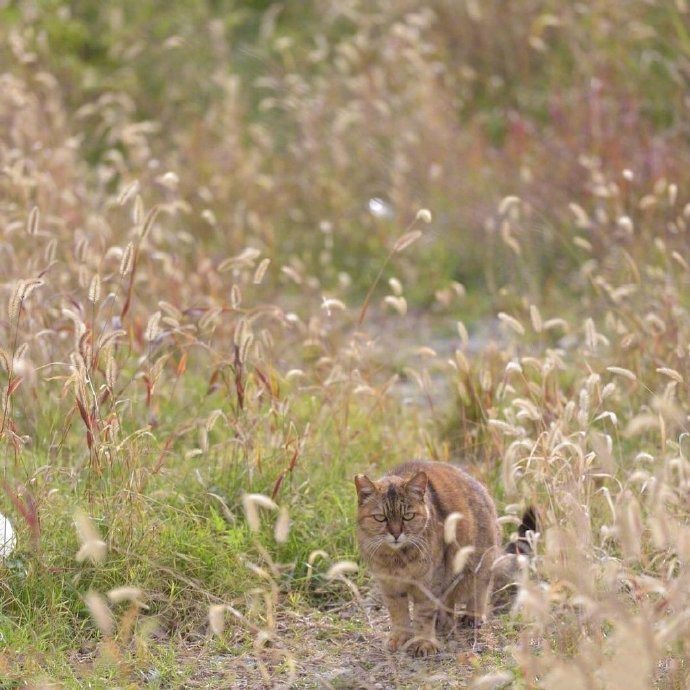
[{"x": 344, "y": 649}]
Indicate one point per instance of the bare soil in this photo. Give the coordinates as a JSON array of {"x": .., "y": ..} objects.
[{"x": 345, "y": 649}]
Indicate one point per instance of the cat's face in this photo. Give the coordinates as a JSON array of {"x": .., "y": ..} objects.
[{"x": 391, "y": 512}]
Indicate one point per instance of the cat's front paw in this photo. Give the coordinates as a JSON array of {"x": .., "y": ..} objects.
[
  {"x": 397, "y": 639},
  {"x": 424, "y": 647}
]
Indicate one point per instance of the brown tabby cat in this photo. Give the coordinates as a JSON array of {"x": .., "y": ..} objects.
[{"x": 400, "y": 529}]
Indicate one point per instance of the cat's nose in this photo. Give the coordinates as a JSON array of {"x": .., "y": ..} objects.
[{"x": 395, "y": 530}]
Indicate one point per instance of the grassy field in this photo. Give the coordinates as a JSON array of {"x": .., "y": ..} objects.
[{"x": 250, "y": 249}]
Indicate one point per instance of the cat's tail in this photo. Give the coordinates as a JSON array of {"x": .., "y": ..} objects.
[
  {"x": 507, "y": 566},
  {"x": 524, "y": 543}
]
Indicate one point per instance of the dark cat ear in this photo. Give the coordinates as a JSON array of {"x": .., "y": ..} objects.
[
  {"x": 417, "y": 484},
  {"x": 365, "y": 487}
]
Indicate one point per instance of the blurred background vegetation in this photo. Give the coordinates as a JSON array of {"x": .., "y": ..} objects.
[{"x": 282, "y": 121}]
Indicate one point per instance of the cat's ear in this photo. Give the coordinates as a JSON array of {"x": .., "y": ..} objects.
[
  {"x": 365, "y": 487},
  {"x": 417, "y": 484}
]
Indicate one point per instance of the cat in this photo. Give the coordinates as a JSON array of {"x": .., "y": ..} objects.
[{"x": 415, "y": 555}]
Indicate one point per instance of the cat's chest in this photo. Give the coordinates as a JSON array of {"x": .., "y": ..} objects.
[{"x": 403, "y": 567}]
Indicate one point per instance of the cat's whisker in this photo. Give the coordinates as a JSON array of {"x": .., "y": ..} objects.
[
  {"x": 374, "y": 546},
  {"x": 422, "y": 547}
]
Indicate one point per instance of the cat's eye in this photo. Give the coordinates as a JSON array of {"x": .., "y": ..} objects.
[
  {"x": 379, "y": 518},
  {"x": 408, "y": 516}
]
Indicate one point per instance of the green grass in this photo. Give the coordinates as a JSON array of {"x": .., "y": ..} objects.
[{"x": 181, "y": 536}]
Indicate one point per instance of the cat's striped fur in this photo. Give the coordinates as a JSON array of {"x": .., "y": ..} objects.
[{"x": 400, "y": 530}]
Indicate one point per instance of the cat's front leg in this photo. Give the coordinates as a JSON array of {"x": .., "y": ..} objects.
[
  {"x": 396, "y": 602},
  {"x": 445, "y": 616},
  {"x": 424, "y": 641}
]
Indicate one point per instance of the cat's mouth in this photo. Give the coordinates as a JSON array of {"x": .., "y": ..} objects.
[{"x": 397, "y": 544}]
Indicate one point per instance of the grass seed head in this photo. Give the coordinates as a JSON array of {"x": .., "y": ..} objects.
[
  {"x": 34, "y": 221},
  {"x": 92, "y": 548},
  {"x": 282, "y": 526},
  {"x": 216, "y": 618},
  {"x": 128, "y": 192},
  {"x": 507, "y": 204},
  {"x": 424, "y": 215},
  {"x": 95, "y": 289},
  {"x": 152, "y": 327},
  {"x": 235, "y": 296},
  {"x": 261, "y": 271},
  {"x": 398, "y": 303},
  {"x": 622, "y": 371},
  {"x": 450, "y": 527},
  {"x": 100, "y": 612},
  {"x": 404, "y": 241},
  {"x": 127, "y": 260},
  {"x": 251, "y": 503},
  {"x": 535, "y": 317},
  {"x": 340, "y": 569},
  {"x": 512, "y": 323},
  {"x": 120, "y": 594},
  {"x": 461, "y": 557},
  {"x": 671, "y": 373}
]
